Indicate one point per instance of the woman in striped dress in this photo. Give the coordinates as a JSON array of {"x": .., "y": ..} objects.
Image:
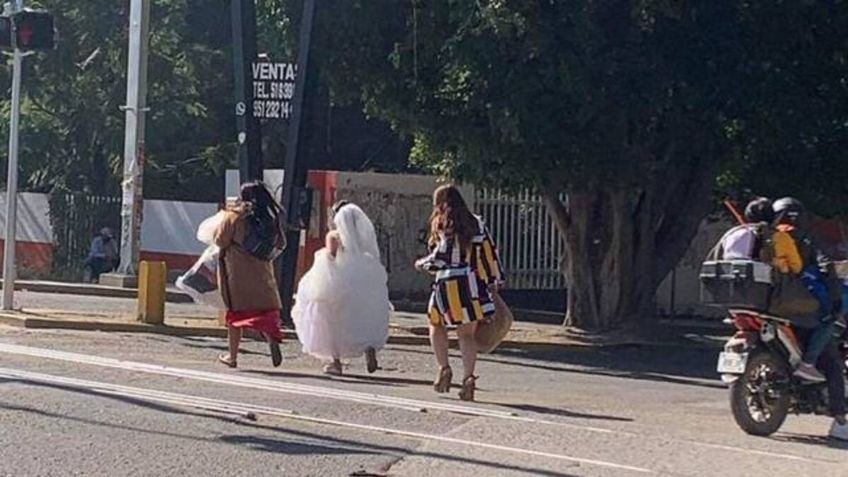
[{"x": 465, "y": 262}]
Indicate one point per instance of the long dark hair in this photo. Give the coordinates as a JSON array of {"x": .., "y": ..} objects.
[
  {"x": 452, "y": 217},
  {"x": 264, "y": 207}
]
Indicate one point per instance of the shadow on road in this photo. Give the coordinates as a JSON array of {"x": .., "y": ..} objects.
[
  {"x": 669, "y": 365},
  {"x": 821, "y": 441},
  {"x": 322, "y": 444},
  {"x": 560, "y": 412},
  {"x": 346, "y": 378}
]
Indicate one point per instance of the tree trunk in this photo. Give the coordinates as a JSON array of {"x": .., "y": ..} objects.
[{"x": 621, "y": 244}]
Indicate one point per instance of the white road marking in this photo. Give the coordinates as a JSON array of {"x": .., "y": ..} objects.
[
  {"x": 285, "y": 387},
  {"x": 357, "y": 397},
  {"x": 247, "y": 409}
]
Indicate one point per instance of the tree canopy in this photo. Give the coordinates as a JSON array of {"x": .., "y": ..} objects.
[
  {"x": 72, "y": 130},
  {"x": 629, "y": 116},
  {"x": 630, "y": 110},
  {"x": 72, "y": 127}
]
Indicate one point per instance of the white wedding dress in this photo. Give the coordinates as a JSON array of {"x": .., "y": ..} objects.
[{"x": 342, "y": 304}]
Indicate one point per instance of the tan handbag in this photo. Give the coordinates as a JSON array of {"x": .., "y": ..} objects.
[
  {"x": 791, "y": 299},
  {"x": 490, "y": 333}
]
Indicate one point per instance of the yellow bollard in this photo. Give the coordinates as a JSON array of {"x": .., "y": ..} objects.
[{"x": 151, "y": 292}]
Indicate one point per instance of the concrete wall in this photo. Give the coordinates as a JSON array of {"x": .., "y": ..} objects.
[
  {"x": 687, "y": 285},
  {"x": 168, "y": 232},
  {"x": 399, "y": 206},
  {"x": 33, "y": 235}
]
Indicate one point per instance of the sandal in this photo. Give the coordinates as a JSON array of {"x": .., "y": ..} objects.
[
  {"x": 469, "y": 385},
  {"x": 371, "y": 359},
  {"x": 442, "y": 384},
  {"x": 333, "y": 369},
  {"x": 225, "y": 359}
]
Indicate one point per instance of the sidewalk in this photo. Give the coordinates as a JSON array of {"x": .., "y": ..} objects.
[
  {"x": 172, "y": 294},
  {"x": 111, "y": 309},
  {"x": 405, "y": 329}
]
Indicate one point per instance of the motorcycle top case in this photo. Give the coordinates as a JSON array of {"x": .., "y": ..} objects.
[{"x": 736, "y": 283}]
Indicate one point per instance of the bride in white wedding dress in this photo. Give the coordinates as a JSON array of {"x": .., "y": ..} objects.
[{"x": 342, "y": 305}]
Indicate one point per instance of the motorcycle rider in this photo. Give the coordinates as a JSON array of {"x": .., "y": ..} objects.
[
  {"x": 795, "y": 252},
  {"x": 745, "y": 241}
]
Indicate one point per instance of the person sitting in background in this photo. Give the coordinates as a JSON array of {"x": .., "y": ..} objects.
[{"x": 102, "y": 256}]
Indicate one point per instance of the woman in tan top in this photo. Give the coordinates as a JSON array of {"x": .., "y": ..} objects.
[{"x": 250, "y": 237}]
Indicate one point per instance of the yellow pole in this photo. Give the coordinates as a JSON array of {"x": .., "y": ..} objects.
[{"x": 152, "y": 277}]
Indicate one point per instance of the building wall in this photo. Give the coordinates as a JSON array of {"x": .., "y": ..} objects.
[
  {"x": 686, "y": 297},
  {"x": 33, "y": 235},
  {"x": 399, "y": 205}
]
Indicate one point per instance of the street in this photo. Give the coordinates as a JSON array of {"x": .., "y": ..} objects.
[{"x": 83, "y": 403}]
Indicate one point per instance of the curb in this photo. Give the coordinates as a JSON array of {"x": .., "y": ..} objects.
[
  {"x": 84, "y": 289},
  {"x": 27, "y": 321}
]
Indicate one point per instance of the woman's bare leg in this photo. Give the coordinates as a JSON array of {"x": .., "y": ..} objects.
[
  {"x": 439, "y": 342},
  {"x": 468, "y": 348},
  {"x": 234, "y": 340}
]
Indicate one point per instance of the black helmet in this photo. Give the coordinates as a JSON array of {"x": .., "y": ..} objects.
[
  {"x": 759, "y": 210},
  {"x": 788, "y": 209}
]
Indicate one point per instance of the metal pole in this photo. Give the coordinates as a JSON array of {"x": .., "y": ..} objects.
[
  {"x": 9, "y": 270},
  {"x": 249, "y": 133},
  {"x": 295, "y": 170},
  {"x": 136, "y": 107}
]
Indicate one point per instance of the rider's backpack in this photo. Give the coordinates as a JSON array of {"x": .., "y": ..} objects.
[
  {"x": 790, "y": 297},
  {"x": 754, "y": 284}
]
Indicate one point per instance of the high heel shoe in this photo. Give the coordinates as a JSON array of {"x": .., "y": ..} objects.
[
  {"x": 334, "y": 368},
  {"x": 442, "y": 384},
  {"x": 469, "y": 385}
]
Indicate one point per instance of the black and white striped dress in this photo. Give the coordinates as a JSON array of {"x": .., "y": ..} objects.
[{"x": 463, "y": 275}]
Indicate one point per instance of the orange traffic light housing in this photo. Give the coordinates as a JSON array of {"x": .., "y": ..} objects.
[{"x": 33, "y": 30}]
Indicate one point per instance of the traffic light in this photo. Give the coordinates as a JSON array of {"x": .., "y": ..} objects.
[
  {"x": 5, "y": 32},
  {"x": 33, "y": 30}
]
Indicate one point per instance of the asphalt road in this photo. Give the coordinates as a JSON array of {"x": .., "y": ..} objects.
[{"x": 77, "y": 403}]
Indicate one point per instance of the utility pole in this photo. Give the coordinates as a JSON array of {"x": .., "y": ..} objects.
[
  {"x": 132, "y": 204},
  {"x": 9, "y": 270},
  {"x": 294, "y": 180},
  {"x": 249, "y": 132}
]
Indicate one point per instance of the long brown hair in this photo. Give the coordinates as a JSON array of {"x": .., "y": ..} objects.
[{"x": 451, "y": 217}]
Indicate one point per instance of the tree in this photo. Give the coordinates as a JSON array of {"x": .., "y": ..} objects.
[
  {"x": 621, "y": 113},
  {"x": 72, "y": 127},
  {"x": 794, "y": 136}
]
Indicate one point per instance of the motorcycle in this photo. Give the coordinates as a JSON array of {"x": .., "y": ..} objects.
[{"x": 757, "y": 364}]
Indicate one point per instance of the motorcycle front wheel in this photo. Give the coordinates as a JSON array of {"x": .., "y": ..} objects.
[{"x": 759, "y": 399}]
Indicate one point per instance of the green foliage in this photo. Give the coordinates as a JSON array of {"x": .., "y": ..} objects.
[
  {"x": 560, "y": 95},
  {"x": 794, "y": 136},
  {"x": 72, "y": 128},
  {"x": 582, "y": 94}
]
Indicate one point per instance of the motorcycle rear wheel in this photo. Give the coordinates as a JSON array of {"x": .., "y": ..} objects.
[{"x": 758, "y": 404}]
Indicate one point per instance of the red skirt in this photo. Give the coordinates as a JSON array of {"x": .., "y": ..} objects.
[{"x": 265, "y": 321}]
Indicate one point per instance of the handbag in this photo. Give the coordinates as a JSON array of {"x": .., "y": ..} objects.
[
  {"x": 490, "y": 333},
  {"x": 791, "y": 298}
]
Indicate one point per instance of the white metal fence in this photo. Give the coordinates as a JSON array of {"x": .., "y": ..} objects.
[{"x": 531, "y": 248}]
